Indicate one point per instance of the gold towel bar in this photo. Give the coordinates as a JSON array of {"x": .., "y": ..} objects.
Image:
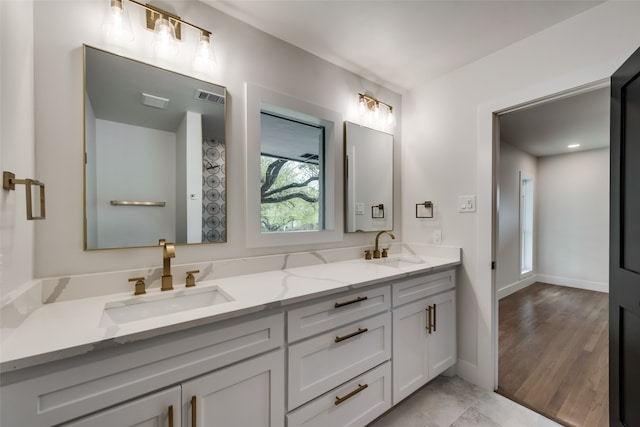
[{"x": 131, "y": 203}]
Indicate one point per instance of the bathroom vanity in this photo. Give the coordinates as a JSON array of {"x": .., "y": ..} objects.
[{"x": 335, "y": 343}]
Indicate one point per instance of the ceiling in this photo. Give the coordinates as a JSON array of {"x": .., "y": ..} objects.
[
  {"x": 547, "y": 129},
  {"x": 401, "y": 44},
  {"x": 115, "y": 86}
]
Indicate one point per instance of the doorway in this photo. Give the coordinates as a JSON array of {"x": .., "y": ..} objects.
[{"x": 552, "y": 253}]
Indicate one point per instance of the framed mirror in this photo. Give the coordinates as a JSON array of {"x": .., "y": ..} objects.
[
  {"x": 368, "y": 179},
  {"x": 154, "y": 155}
]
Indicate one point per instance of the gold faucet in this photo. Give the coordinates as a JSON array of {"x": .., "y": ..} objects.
[
  {"x": 168, "y": 252},
  {"x": 376, "y": 251}
]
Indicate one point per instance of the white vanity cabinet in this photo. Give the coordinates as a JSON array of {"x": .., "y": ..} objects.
[
  {"x": 339, "y": 350},
  {"x": 250, "y": 393},
  {"x": 424, "y": 331},
  {"x": 218, "y": 363},
  {"x": 161, "y": 409}
]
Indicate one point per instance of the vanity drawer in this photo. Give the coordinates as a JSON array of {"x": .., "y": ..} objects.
[
  {"x": 321, "y": 363},
  {"x": 362, "y": 400},
  {"x": 334, "y": 312},
  {"x": 410, "y": 290}
]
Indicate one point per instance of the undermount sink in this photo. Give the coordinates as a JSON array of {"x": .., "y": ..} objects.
[
  {"x": 145, "y": 307},
  {"x": 399, "y": 261}
]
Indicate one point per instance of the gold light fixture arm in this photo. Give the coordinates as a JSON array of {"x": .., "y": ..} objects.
[
  {"x": 154, "y": 13},
  {"x": 9, "y": 182}
]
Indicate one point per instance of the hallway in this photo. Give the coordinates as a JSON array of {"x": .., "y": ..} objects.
[{"x": 553, "y": 352}]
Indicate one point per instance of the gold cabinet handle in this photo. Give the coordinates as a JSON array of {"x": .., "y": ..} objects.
[
  {"x": 193, "y": 412},
  {"x": 353, "y": 301},
  {"x": 428, "y": 310},
  {"x": 352, "y": 334},
  {"x": 339, "y": 400},
  {"x": 434, "y": 318},
  {"x": 170, "y": 415}
]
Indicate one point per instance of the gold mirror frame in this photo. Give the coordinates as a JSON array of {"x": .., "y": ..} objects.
[{"x": 134, "y": 211}]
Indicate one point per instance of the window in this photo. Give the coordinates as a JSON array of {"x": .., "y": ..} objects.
[
  {"x": 526, "y": 225},
  {"x": 291, "y": 174},
  {"x": 294, "y": 170}
]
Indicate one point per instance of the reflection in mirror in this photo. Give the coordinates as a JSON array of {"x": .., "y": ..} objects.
[
  {"x": 154, "y": 155},
  {"x": 369, "y": 179}
]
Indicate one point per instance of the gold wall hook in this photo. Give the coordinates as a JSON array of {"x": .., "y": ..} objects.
[{"x": 9, "y": 182}]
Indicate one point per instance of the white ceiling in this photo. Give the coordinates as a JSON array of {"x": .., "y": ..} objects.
[
  {"x": 547, "y": 129},
  {"x": 401, "y": 44}
]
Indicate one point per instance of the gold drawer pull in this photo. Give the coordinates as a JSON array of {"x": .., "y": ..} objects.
[
  {"x": 353, "y": 301},
  {"x": 339, "y": 400},
  {"x": 170, "y": 415},
  {"x": 193, "y": 412},
  {"x": 352, "y": 334}
]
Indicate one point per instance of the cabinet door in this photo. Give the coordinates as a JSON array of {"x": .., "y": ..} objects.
[
  {"x": 424, "y": 342},
  {"x": 250, "y": 393},
  {"x": 410, "y": 351},
  {"x": 161, "y": 409},
  {"x": 442, "y": 340}
]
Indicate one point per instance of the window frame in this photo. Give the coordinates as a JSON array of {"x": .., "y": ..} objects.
[
  {"x": 258, "y": 99},
  {"x": 527, "y": 219}
]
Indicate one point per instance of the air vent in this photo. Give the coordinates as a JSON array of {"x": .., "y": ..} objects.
[
  {"x": 203, "y": 95},
  {"x": 154, "y": 101}
]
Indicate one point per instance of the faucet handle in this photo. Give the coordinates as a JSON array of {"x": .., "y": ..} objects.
[
  {"x": 367, "y": 254},
  {"x": 139, "y": 285},
  {"x": 385, "y": 253},
  {"x": 191, "y": 281}
]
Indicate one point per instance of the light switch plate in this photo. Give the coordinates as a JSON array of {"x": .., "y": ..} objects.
[
  {"x": 467, "y": 203},
  {"x": 437, "y": 237}
]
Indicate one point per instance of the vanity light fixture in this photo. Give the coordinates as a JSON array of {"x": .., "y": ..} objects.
[
  {"x": 167, "y": 29},
  {"x": 573, "y": 146},
  {"x": 370, "y": 111}
]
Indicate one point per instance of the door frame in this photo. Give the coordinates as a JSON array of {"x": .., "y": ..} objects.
[{"x": 487, "y": 178}]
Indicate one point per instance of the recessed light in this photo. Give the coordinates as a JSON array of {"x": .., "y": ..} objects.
[{"x": 573, "y": 146}]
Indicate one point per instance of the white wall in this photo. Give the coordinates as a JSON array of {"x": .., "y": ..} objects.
[
  {"x": 243, "y": 54},
  {"x": 447, "y": 149},
  {"x": 513, "y": 161},
  {"x": 573, "y": 219},
  {"x": 134, "y": 164},
  {"x": 189, "y": 179},
  {"x": 17, "y": 141}
]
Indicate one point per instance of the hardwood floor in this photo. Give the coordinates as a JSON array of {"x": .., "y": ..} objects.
[{"x": 553, "y": 353}]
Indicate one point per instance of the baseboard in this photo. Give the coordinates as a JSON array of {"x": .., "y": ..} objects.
[
  {"x": 515, "y": 287},
  {"x": 573, "y": 283}
]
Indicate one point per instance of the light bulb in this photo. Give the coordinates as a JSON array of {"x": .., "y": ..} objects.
[
  {"x": 376, "y": 112},
  {"x": 391, "y": 118},
  {"x": 205, "y": 58},
  {"x": 117, "y": 26},
  {"x": 362, "y": 106},
  {"x": 164, "y": 38}
]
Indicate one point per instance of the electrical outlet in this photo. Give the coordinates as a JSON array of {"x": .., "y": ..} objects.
[
  {"x": 467, "y": 203},
  {"x": 437, "y": 237}
]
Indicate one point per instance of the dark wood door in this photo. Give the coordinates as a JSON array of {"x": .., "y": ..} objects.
[{"x": 624, "y": 262}]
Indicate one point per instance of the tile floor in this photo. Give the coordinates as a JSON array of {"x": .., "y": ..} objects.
[{"x": 452, "y": 402}]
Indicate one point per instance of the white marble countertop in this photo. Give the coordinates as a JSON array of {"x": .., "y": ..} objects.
[{"x": 60, "y": 329}]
